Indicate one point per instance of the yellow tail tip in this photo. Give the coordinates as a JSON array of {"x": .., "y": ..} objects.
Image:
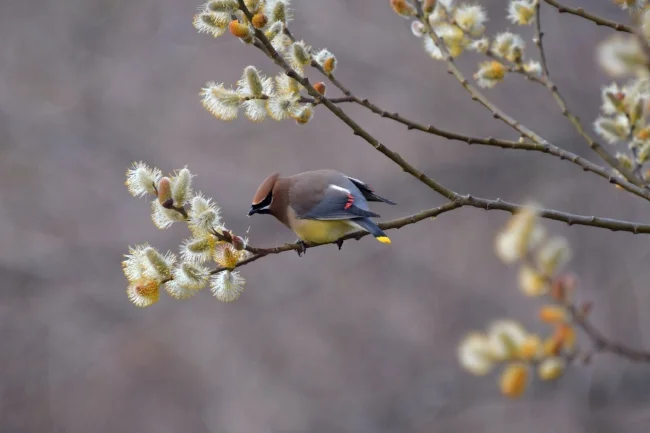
[{"x": 383, "y": 239}]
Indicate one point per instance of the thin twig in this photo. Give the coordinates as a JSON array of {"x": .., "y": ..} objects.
[
  {"x": 497, "y": 113},
  {"x": 398, "y": 223},
  {"x": 539, "y": 34},
  {"x": 561, "y": 102},
  {"x": 602, "y": 343},
  {"x": 263, "y": 42},
  {"x": 507, "y": 144},
  {"x": 579, "y": 316},
  {"x": 590, "y": 17},
  {"x": 463, "y": 200},
  {"x": 313, "y": 101}
]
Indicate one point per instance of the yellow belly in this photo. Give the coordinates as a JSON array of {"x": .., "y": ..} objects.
[{"x": 320, "y": 232}]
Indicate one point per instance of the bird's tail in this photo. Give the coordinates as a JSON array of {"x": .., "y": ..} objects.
[{"x": 369, "y": 225}]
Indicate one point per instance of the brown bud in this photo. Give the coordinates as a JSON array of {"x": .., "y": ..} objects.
[
  {"x": 552, "y": 346},
  {"x": 259, "y": 21},
  {"x": 562, "y": 287},
  {"x": 165, "y": 192},
  {"x": 586, "y": 308},
  {"x": 429, "y": 5},
  {"x": 238, "y": 243},
  {"x": 565, "y": 336},
  {"x": 401, "y": 7},
  {"x": 320, "y": 87},
  {"x": 227, "y": 235},
  {"x": 552, "y": 314},
  {"x": 238, "y": 29},
  {"x": 558, "y": 290}
]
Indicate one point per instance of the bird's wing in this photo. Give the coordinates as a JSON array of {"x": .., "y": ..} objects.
[
  {"x": 331, "y": 198},
  {"x": 368, "y": 192}
]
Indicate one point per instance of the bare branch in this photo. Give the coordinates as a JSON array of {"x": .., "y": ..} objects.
[
  {"x": 506, "y": 144},
  {"x": 497, "y": 113},
  {"x": 539, "y": 34},
  {"x": 603, "y": 344},
  {"x": 590, "y": 17},
  {"x": 460, "y": 201},
  {"x": 561, "y": 102}
]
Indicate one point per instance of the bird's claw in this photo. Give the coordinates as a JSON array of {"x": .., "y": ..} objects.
[{"x": 302, "y": 247}]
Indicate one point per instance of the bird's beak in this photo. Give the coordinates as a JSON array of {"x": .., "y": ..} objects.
[{"x": 251, "y": 211}]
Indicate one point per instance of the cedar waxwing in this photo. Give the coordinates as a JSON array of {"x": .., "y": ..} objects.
[{"x": 319, "y": 206}]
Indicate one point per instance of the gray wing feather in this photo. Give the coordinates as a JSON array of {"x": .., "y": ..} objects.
[{"x": 329, "y": 195}]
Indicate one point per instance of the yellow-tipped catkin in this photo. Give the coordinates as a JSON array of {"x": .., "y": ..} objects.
[
  {"x": 142, "y": 179},
  {"x": 304, "y": 115},
  {"x": 553, "y": 255},
  {"x": 519, "y": 236},
  {"x": 252, "y": 5},
  {"x": 222, "y": 5},
  {"x": 239, "y": 29},
  {"x": 474, "y": 354},
  {"x": 279, "y": 12},
  {"x": 505, "y": 337},
  {"x": 254, "y": 81},
  {"x": 513, "y": 380},
  {"x": 259, "y": 21},
  {"x": 490, "y": 73},
  {"x": 531, "y": 282},
  {"x": 159, "y": 266},
  {"x": 521, "y": 12},
  {"x": 429, "y": 5},
  {"x": 227, "y": 255},
  {"x": 181, "y": 187},
  {"x": 552, "y": 314},
  {"x": 227, "y": 286},
  {"x": 144, "y": 292},
  {"x": 300, "y": 54},
  {"x": 551, "y": 368},
  {"x": 531, "y": 348}
]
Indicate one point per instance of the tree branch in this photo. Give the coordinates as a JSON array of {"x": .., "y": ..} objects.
[
  {"x": 264, "y": 44},
  {"x": 548, "y": 148},
  {"x": 505, "y": 144},
  {"x": 497, "y": 113},
  {"x": 461, "y": 201},
  {"x": 590, "y": 17},
  {"x": 603, "y": 344},
  {"x": 561, "y": 102},
  {"x": 539, "y": 34}
]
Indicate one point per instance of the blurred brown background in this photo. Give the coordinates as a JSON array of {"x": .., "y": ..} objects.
[{"x": 361, "y": 340}]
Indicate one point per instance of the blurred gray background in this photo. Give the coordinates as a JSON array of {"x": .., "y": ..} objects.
[{"x": 361, "y": 340}]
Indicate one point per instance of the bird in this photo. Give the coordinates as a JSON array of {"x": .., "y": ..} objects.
[{"x": 319, "y": 206}]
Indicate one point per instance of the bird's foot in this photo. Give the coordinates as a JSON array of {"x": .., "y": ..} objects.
[
  {"x": 339, "y": 243},
  {"x": 302, "y": 249}
]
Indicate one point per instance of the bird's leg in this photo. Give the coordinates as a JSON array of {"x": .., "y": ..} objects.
[
  {"x": 302, "y": 247},
  {"x": 339, "y": 243}
]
